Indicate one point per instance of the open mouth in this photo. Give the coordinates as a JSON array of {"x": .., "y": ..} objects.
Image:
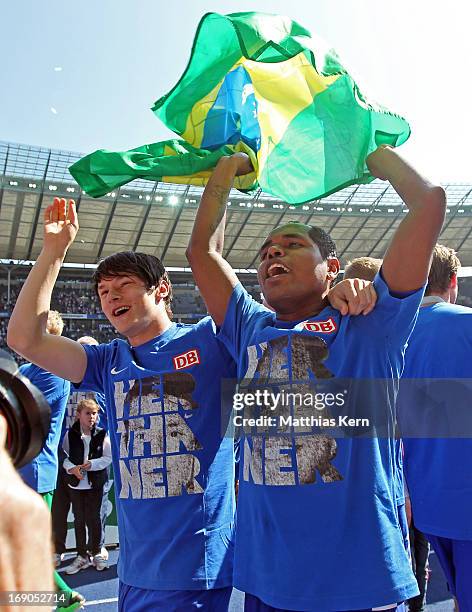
[
  {"x": 121, "y": 310},
  {"x": 276, "y": 269}
]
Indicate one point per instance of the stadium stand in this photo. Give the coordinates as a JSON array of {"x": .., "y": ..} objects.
[{"x": 157, "y": 218}]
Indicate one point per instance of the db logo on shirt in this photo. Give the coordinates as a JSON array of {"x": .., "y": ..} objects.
[
  {"x": 323, "y": 327},
  {"x": 186, "y": 360}
]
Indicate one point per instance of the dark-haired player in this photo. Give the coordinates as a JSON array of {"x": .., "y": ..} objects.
[
  {"x": 173, "y": 468},
  {"x": 317, "y": 525}
]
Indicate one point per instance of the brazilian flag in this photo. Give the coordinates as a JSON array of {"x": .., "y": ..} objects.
[{"x": 262, "y": 84}]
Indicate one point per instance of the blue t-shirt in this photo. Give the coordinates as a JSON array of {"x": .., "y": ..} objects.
[
  {"x": 439, "y": 470},
  {"x": 174, "y": 471},
  {"x": 41, "y": 473},
  {"x": 317, "y": 524}
]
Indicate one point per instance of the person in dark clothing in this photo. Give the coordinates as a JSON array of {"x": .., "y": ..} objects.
[{"x": 88, "y": 456}]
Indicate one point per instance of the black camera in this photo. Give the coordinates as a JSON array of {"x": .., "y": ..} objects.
[{"x": 26, "y": 411}]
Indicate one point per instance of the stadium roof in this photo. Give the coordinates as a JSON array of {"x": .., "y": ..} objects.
[{"x": 157, "y": 217}]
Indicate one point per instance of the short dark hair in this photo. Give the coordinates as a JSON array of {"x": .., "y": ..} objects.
[
  {"x": 323, "y": 241},
  {"x": 146, "y": 267}
]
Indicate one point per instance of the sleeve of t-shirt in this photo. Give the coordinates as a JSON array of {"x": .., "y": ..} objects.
[
  {"x": 97, "y": 358},
  {"x": 395, "y": 314},
  {"x": 242, "y": 316}
]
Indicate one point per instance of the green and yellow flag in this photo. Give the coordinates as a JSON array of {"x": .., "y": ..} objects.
[{"x": 262, "y": 84}]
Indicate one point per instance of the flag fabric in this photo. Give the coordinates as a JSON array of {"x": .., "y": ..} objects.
[
  {"x": 263, "y": 84},
  {"x": 170, "y": 161}
]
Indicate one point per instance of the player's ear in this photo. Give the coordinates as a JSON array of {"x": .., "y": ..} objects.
[
  {"x": 162, "y": 290},
  {"x": 333, "y": 268},
  {"x": 453, "y": 281}
]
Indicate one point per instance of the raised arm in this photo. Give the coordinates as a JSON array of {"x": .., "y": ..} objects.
[
  {"x": 213, "y": 274},
  {"x": 27, "y": 327},
  {"x": 408, "y": 258}
]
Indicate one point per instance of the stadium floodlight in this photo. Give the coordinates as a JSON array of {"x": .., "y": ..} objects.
[{"x": 173, "y": 200}]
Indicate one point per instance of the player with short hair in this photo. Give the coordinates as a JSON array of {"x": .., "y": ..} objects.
[
  {"x": 442, "y": 279},
  {"x": 317, "y": 524},
  {"x": 438, "y": 458},
  {"x": 173, "y": 468},
  {"x": 362, "y": 267},
  {"x": 367, "y": 268}
]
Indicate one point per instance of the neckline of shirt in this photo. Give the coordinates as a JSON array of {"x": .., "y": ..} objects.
[
  {"x": 159, "y": 341},
  {"x": 327, "y": 312}
]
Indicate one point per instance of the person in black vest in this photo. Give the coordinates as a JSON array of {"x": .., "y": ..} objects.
[{"x": 88, "y": 456}]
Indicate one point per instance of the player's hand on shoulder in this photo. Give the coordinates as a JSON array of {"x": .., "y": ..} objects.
[
  {"x": 353, "y": 296},
  {"x": 61, "y": 225}
]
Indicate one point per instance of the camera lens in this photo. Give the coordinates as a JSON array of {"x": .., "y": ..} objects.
[{"x": 26, "y": 412}]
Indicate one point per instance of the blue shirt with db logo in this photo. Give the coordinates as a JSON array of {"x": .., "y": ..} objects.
[
  {"x": 317, "y": 525},
  {"x": 174, "y": 470}
]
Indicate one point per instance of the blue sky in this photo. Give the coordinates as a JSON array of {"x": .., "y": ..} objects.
[{"x": 83, "y": 75}]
